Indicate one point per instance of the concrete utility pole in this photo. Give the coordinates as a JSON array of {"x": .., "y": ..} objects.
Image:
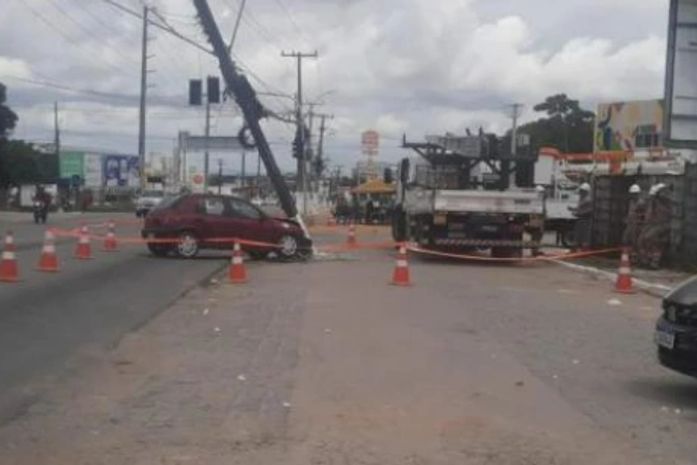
[
  {"x": 243, "y": 170},
  {"x": 207, "y": 135},
  {"x": 220, "y": 176},
  {"x": 301, "y": 181},
  {"x": 143, "y": 91},
  {"x": 516, "y": 109},
  {"x": 322, "y": 129},
  {"x": 237, "y": 27},
  {"x": 56, "y": 130}
]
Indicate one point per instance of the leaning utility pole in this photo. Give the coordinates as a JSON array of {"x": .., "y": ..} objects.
[
  {"x": 301, "y": 181},
  {"x": 143, "y": 91},
  {"x": 251, "y": 108}
]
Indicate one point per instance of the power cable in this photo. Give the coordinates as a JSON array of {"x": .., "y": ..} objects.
[
  {"x": 65, "y": 36},
  {"x": 165, "y": 27},
  {"x": 87, "y": 31}
]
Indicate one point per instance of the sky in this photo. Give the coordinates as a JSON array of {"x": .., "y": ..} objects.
[{"x": 411, "y": 67}]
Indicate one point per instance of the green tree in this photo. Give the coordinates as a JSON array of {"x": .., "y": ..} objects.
[
  {"x": 20, "y": 162},
  {"x": 567, "y": 126},
  {"x": 8, "y": 118}
]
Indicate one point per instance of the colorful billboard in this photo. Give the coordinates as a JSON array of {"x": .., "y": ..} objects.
[
  {"x": 636, "y": 125},
  {"x": 121, "y": 171}
]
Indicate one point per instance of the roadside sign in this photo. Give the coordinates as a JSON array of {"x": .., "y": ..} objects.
[
  {"x": 71, "y": 164},
  {"x": 197, "y": 179},
  {"x": 370, "y": 142}
]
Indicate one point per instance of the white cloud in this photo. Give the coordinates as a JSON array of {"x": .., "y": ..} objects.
[{"x": 399, "y": 65}]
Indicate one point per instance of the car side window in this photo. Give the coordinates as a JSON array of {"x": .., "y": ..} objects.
[
  {"x": 241, "y": 209},
  {"x": 214, "y": 206}
]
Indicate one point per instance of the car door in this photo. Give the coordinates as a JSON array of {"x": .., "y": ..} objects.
[
  {"x": 214, "y": 217},
  {"x": 248, "y": 220}
]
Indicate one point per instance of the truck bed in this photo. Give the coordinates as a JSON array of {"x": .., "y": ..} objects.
[{"x": 475, "y": 201}]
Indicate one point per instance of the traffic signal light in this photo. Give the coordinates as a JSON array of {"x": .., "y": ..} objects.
[
  {"x": 213, "y": 87},
  {"x": 195, "y": 91}
]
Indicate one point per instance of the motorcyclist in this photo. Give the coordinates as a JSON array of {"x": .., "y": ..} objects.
[
  {"x": 655, "y": 235},
  {"x": 583, "y": 212},
  {"x": 42, "y": 202},
  {"x": 636, "y": 215}
]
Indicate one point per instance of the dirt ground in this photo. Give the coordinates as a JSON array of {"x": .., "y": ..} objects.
[{"x": 317, "y": 363}]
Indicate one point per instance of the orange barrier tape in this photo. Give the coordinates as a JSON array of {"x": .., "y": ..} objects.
[
  {"x": 555, "y": 257},
  {"x": 75, "y": 233}
]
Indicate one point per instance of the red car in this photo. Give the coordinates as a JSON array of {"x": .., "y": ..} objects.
[{"x": 199, "y": 221}]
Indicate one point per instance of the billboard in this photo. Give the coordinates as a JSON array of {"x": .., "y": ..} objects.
[
  {"x": 681, "y": 75},
  {"x": 70, "y": 164},
  {"x": 630, "y": 126},
  {"x": 121, "y": 171},
  {"x": 370, "y": 142}
]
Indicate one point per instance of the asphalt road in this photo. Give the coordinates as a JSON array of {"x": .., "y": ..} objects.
[
  {"x": 48, "y": 319},
  {"x": 324, "y": 362}
]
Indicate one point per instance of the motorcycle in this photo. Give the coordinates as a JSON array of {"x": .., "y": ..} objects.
[{"x": 40, "y": 212}]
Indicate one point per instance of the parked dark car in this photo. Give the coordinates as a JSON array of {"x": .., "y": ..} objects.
[
  {"x": 676, "y": 329},
  {"x": 199, "y": 221}
]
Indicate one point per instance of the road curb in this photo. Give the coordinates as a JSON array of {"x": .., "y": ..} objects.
[{"x": 652, "y": 289}]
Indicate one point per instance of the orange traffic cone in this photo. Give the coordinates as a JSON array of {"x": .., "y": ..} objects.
[
  {"x": 9, "y": 270},
  {"x": 49, "y": 260},
  {"x": 400, "y": 277},
  {"x": 237, "y": 272},
  {"x": 110, "y": 244},
  {"x": 623, "y": 285},
  {"x": 351, "y": 239},
  {"x": 10, "y": 242},
  {"x": 83, "y": 251}
]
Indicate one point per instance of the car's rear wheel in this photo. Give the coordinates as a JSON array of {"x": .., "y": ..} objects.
[{"x": 187, "y": 245}]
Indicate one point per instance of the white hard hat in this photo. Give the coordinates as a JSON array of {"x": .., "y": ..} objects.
[
  {"x": 585, "y": 187},
  {"x": 540, "y": 188},
  {"x": 635, "y": 189},
  {"x": 657, "y": 188}
]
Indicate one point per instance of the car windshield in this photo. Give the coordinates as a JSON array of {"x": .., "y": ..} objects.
[{"x": 319, "y": 232}]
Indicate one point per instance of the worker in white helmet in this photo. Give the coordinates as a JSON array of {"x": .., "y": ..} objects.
[
  {"x": 583, "y": 212},
  {"x": 635, "y": 218},
  {"x": 654, "y": 238}
]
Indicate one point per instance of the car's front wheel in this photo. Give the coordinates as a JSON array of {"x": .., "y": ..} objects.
[{"x": 187, "y": 245}]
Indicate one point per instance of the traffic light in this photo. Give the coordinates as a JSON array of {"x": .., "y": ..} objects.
[
  {"x": 213, "y": 86},
  {"x": 195, "y": 91}
]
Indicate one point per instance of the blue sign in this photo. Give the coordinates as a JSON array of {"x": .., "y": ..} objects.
[{"x": 121, "y": 171}]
